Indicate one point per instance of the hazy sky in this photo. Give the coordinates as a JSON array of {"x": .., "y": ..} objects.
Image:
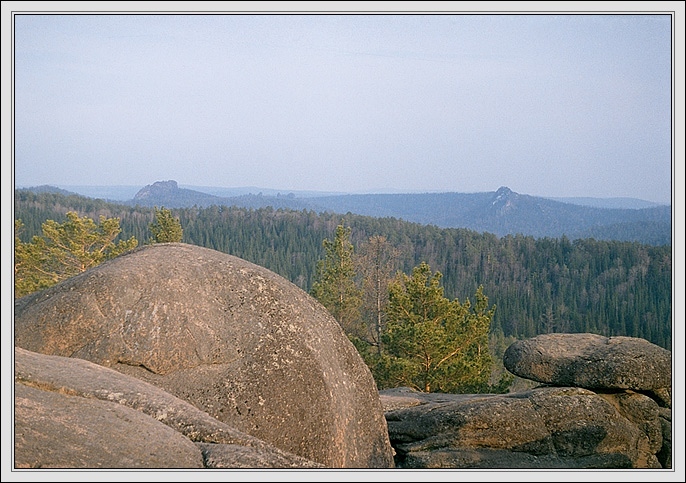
[{"x": 552, "y": 105}]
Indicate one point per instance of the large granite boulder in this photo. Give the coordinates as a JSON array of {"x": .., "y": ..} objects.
[
  {"x": 543, "y": 428},
  {"x": 71, "y": 413},
  {"x": 591, "y": 361},
  {"x": 233, "y": 339}
]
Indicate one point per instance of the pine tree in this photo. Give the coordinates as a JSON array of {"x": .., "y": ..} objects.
[
  {"x": 64, "y": 250},
  {"x": 334, "y": 285},
  {"x": 165, "y": 228},
  {"x": 436, "y": 344}
]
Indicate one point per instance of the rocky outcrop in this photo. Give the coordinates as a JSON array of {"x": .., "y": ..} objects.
[
  {"x": 593, "y": 362},
  {"x": 555, "y": 426},
  {"x": 235, "y": 340},
  {"x": 71, "y": 413},
  {"x": 157, "y": 187},
  {"x": 540, "y": 428},
  {"x": 168, "y": 194}
]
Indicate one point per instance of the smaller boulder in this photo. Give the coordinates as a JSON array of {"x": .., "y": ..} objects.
[{"x": 591, "y": 361}]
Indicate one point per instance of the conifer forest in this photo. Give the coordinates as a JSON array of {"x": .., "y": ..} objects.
[{"x": 537, "y": 285}]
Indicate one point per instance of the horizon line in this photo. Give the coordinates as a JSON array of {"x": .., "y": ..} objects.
[{"x": 381, "y": 191}]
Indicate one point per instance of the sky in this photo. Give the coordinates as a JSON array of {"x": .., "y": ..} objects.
[{"x": 548, "y": 105}]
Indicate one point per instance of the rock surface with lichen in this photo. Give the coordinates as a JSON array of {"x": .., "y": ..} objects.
[{"x": 234, "y": 340}]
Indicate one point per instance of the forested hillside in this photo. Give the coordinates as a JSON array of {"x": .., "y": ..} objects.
[
  {"x": 538, "y": 285},
  {"x": 505, "y": 212},
  {"x": 502, "y": 212}
]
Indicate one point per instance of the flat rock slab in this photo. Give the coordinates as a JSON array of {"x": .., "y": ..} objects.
[
  {"x": 544, "y": 428},
  {"x": 54, "y": 430},
  {"x": 591, "y": 361},
  {"x": 237, "y": 341},
  {"x": 71, "y": 413}
]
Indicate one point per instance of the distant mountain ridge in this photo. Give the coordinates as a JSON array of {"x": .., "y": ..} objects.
[
  {"x": 503, "y": 212},
  {"x": 254, "y": 190},
  {"x": 127, "y": 192},
  {"x": 613, "y": 203},
  {"x": 169, "y": 195}
]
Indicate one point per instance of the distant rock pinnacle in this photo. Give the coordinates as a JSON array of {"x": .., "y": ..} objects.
[
  {"x": 503, "y": 191},
  {"x": 157, "y": 188},
  {"x": 503, "y": 200}
]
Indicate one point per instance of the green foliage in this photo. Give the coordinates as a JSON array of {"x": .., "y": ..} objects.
[
  {"x": 335, "y": 286},
  {"x": 27, "y": 261},
  {"x": 64, "y": 250},
  {"x": 435, "y": 344},
  {"x": 165, "y": 228},
  {"x": 538, "y": 284}
]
